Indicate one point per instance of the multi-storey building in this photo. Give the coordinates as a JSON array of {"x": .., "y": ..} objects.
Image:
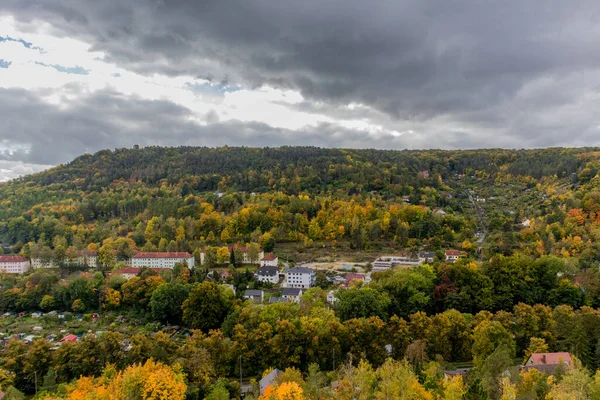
[
  {"x": 161, "y": 259},
  {"x": 14, "y": 264}
]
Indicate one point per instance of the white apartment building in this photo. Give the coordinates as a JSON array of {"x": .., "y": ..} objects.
[
  {"x": 161, "y": 259},
  {"x": 38, "y": 263},
  {"x": 88, "y": 257},
  {"x": 14, "y": 264},
  {"x": 299, "y": 277}
]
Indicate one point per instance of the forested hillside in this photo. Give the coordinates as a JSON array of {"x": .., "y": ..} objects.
[{"x": 191, "y": 197}]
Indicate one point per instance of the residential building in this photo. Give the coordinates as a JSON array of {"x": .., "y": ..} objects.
[
  {"x": 14, "y": 264},
  {"x": 548, "y": 362},
  {"x": 69, "y": 338},
  {"x": 256, "y": 295},
  {"x": 275, "y": 299},
  {"x": 292, "y": 294},
  {"x": 299, "y": 277},
  {"x": 453, "y": 255},
  {"x": 427, "y": 256},
  {"x": 386, "y": 262},
  {"x": 162, "y": 259},
  {"x": 243, "y": 250},
  {"x": 268, "y": 274},
  {"x": 269, "y": 260},
  {"x": 38, "y": 263},
  {"x": 268, "y": 380},
  {"x": 88, "y": 257},
  {"x": 526, "y": 223}
]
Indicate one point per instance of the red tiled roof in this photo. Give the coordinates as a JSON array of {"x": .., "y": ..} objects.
[
  {"x": 269, "y": 257},
  {"x": 454, "y": 253},
  {"x": 549, "y": 358},
  {"x": 12, "y": 259},
  {"x": 69, "y": 338},
  {"x": 351, "y": 277},
  {"x": 162, "y": 255}
]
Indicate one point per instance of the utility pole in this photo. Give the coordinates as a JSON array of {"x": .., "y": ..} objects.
[
  {"x": 333, "y": 351},
  {"x": 240, "y": 370},
  {"x": 35, "y": 373}
]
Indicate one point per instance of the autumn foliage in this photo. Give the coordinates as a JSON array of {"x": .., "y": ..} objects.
[{"x": 150, "y": 381}]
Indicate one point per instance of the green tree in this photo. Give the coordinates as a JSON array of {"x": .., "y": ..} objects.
[
  {"x": 361, "y": 303},
  {"x": 166, "y": 302},
  {"x": 207, "y": 306}
]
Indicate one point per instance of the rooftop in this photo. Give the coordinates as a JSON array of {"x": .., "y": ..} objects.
[
  {"x": 174, "y": 254},
  {"x": 269, "y": 257},
  {"x": 12, "y": 259},
  {"x": 300, "y": 270}
]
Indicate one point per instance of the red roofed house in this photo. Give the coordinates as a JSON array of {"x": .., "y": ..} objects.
[
  {"x": 354, "y": 277},
  {"x": 69, "y": 338},
  {"x": 453, "y": 255},
  {"x": 549, "y": 362},
  {"x": 161, "y": 259},
  {"x": 14, "y": 264},
  {"x": 130, "y": 272},
  {"x": 269, "y": 260}
]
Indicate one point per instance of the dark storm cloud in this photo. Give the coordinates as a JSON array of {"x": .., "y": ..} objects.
[{"x": 411, "y": 59}]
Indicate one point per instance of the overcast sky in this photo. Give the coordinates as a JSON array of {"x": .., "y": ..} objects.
[{"x": 78, "y": 76}]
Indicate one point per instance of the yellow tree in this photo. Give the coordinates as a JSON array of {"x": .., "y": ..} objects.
[{"x": 285, "y": 391}]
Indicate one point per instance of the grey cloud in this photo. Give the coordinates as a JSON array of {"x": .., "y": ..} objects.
[{"x": 411, "y": 59}]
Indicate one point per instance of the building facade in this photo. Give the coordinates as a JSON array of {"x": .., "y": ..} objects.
[
  {"x": 269, "y": 260},
  {"x": 299, "y": 277},
  {"x": 161, "y": 259},
  {"x": 14, "y": 264},
  {"x": 268, "y": 274}
]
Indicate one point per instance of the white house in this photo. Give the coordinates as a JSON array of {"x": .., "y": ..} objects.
[
  {"x": 427, "y": 256},
  {"x": 161, "y": 259},
  {"x": 268, "y": 274},
  {"x": 292, "y": 294},
  {"x": 269, "y": 260},
  {"x": 299, "y": 277},
  {"x": 453, "y": 255},
  {"x": 14, "y": 264},
  {"x": 526, "y": 223}
]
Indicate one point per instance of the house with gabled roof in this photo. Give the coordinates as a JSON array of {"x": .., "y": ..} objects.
[{"x": 548, "y": 363}]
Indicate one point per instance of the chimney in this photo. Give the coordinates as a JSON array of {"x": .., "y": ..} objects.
[{"x": 544, "y": 359}]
